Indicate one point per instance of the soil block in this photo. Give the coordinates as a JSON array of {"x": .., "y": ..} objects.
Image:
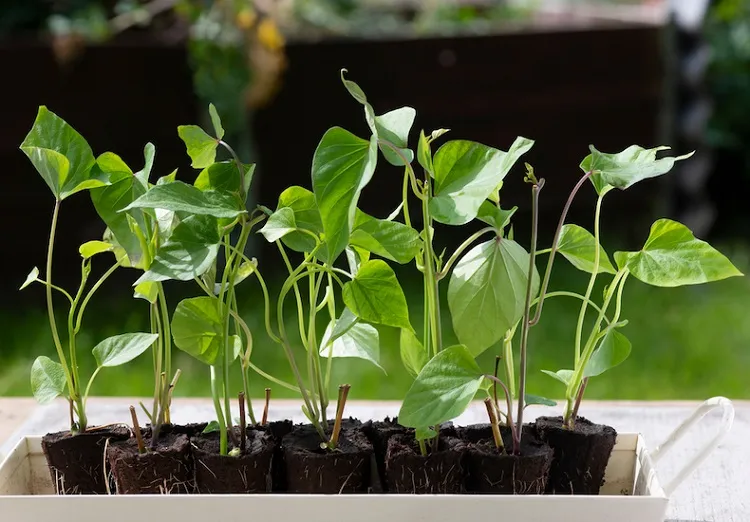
[
  {"x": 487, "y": 470},
  {"x": 311, "y": 469},
  {"x": 379, "y": 432},
  {"x": 249, "y": 472},
  {"x": 278, "y": 430},
  {"x": 76, "y": 461},
  {"x": 408, "y": 471},
  {"x": 166, "y": 470},
  {"x": 581, "y": 454}
]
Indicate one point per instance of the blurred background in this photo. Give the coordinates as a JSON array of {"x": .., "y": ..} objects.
[{"x": 565, "y": 73}]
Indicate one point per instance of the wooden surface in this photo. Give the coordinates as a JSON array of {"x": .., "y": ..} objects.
[{"x": 719, "y": 491}]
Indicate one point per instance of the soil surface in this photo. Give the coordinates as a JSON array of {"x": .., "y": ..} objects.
[
  {"x": 76, "y": 461},
  {"x": 488, "y": 470},
  {"x": 312, "y": 469},
  {"x": 249, "y": 472},
  {"x": 408, "y": 471},
  {"x": 166, "y": 470},
  {"x": 581, "y": 454}
]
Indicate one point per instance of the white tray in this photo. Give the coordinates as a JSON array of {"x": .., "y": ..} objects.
[{"x": 631, "y": 492}]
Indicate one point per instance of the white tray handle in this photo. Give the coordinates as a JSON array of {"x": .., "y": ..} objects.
[{"x": 679, "y": 432}]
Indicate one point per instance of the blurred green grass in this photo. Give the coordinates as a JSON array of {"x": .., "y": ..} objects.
[{"x": 688, "y": 343}]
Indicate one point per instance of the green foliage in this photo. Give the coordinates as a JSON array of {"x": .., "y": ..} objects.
[
  {"x": 389, "y": 239},
  {"x": 120, "y": 349},
  {"x": 487, "y": 291},
  {"x": 181, "y": 197},
  {"x": 47, "y": 380},
  {"x": 197, "y": 328},
  {"x": 579, "y": 247},
  {"x": 200, "y": 146},
  {"x": 672, "y": 256},
  {"x": 413, "y": 354},
  {"x": 613, "y": 350},
  {"x": 442, "y": 390},
  {"x": 279, "y": 224},
  {"x": 375, "y": 295}
]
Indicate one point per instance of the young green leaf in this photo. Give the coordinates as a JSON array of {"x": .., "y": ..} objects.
[
  {"x": 375, "y": 296},
  {"x": 466, "y": 174},
  {"x": 342, "y": 165},
  {"x": 279, "y": 224},
  {"x": 442, "y": 390},
  {"x": 216, "y": 121},
  {"x": 149, "y": 153},
  {"x": 672, "y": 256},
  {"x": 189, "y": 253},
  {"x": 120, "y": 349},
  {"x": 200, "y": 146},
  {"x": 613, "y": 350},
  {"x": 91, "y": 248},
  {"x": 564, "y": 376},
  {"x": 389, "y": 239},
  {"x": 211, "y": 427},
  {"x": 487, "y": 291},
  {"x": 223, "y": 176},
  {"x": 147, "y": 290},
  {"x": 33, "y": 276},
  {"x": 626, "y": 168},
  {"x": 530, "y": 400},
  {"x": 494, "y": 216},
  {"x": 424, "y": 154},
  {"x": 578, "y": 246},
  {"x": 111, "y": 200},
  {"x": 61, "y": 155},
  {"x": 47, "y": 379},
  {"x": 359, "y": 340},
  {"x": 181, "y": 197},
  {"x": 358, "y": 94},
  {"x": 394, "y": 127},
  {"x": 354, "y": 258},
  {"x": 413, "y": 354},
  {"x": 169, "y": 178},
  {"x": 197, "y": 328},
  {"x": 306, "y": 217},
  {"x": 424, "y": 433}
]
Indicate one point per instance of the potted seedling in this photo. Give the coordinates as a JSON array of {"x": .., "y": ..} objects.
[
  {"x": 670, "y": 257},
  {"x": 66, "y": 163}
]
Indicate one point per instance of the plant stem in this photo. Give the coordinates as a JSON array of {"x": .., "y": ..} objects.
[
  {"x": 91, "y": 293},
  {"x": 494, "y": 424},
  {"x": 297, "y": 294},
  {"x": 553, "y": 250},
  {"x": 167, "y": 350},
  {"x": 172, "y": 385},
  {"x": 243, "y": 425},
  {"x": 514, "y": 429},
  {"x": 264, "y": 419},
  {"x": 592, "y": 279},
  {"x": 460, "y": 250},
  {"x": 430, "y": 280},
  {"x": 343, "y": 393},
  {"x": 579, "y": 397},
  {"x": 405, "y": 198},
  {"x": 157, "y": 350},
  {"x": 535, "y": 189},
  {"x": 223, "y": 450},
  {"x": 72, "y": 386},
  {"x": 137, "y": 431}
]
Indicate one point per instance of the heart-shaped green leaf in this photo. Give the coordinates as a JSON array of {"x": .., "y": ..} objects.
[
  {"x": 47, "y": 380},
  {"x": 578, "y": 246},
  {"x": 181, "y": 197},
  {"x": 389, "y": 239},
  {"x": 342, "y": 165},
  {"x": 197, "y": 328},
  {"x": 672, "y": 256},
  {"x": 306, "y": 217},
  {"x": 61, "y": 155},
  {"x": 91, "y": 248},
  {"x": 442, "y": 390},
  {"x": 360, "y": 340},
  {"x": 466, "y": 174},
  {"x": 413, "y": 354},
  {"x": 626, "y": 168},
  {"x": 279, "y": 224},
  {"x": 189, "y": 253},
  {"x": 375, "y": 295},
  {"x": 613, "y": 349},
  {"x": 147, "y": 290},
  {"x": 200, "y": 146},
  {"x": 120, "y": 349},
  {"x": 223, "y": 176},
  {"x": 487, "y": 292},
  {"x": 394, "y": 127},
  {"x": 564, "y": 376}
]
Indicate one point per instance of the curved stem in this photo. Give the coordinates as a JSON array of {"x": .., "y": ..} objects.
[
  {"x": 460, "y": 250},
  {"x": 72, "y": 391},
  {"x": 297, "y": 294},
  {"x": 592, "y": 279},
  {"x": 514, "y": 429},
  {"x": 527, "y": 305},
  {"x": 405, "y": 198},
  {"x": 91, "y": 293},
  {"x": 88, "y": 387},
  {"x": 553, "y": 250},
  {"x": 223, "y": 450},
  {"x": 563, "y": 293}
]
